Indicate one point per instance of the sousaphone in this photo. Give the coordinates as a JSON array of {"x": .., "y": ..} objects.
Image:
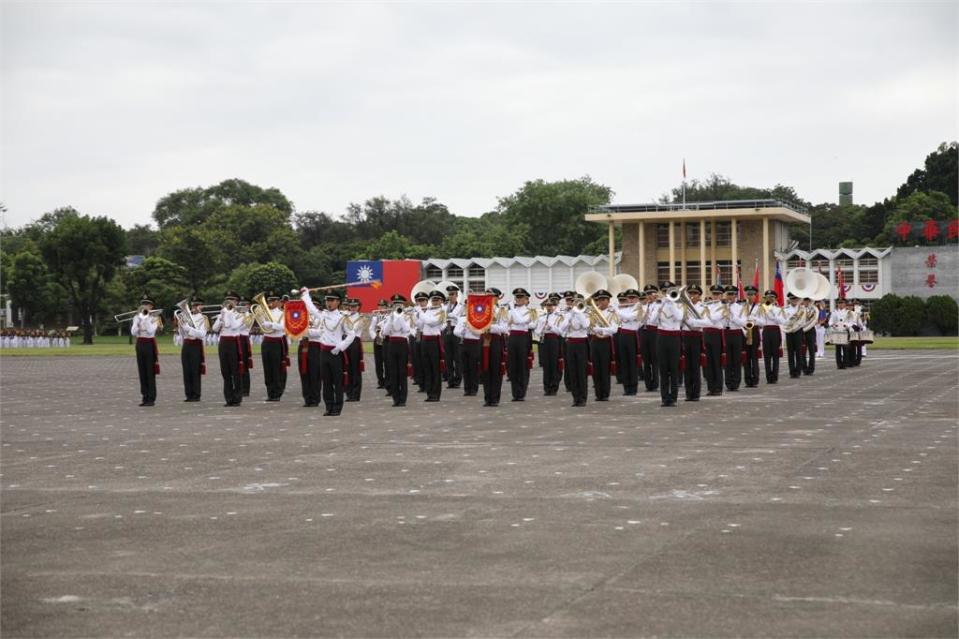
[
  {"x": 622, "y": 282},
  {"x": 590, "y": 282},
  {"x": 423, "y": 286},
  {"x": 803, "y": 282}
]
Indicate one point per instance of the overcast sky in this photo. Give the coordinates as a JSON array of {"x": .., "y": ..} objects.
[{"x": 109, "y": 106}]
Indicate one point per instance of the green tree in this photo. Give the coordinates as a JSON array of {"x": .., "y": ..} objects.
[
  {"x": 164, "y": 280},
  {"x": 197, "y": 250},
  {"x": 919, "y": 206},
  {"x": 30, "y": 288},
  {"x": 83, "y": 254},
  {"x": 553, "y": 213},
  {"x": 248, "y": 234},
  {"x": 942, "y": 311},
  {"x": 189, "y": 207},
  {"x": 911, "y": 314},
  {"x": 393, "y": 246},
  {"x": 940, "y": 173},
  {"x": 487, "y": 236},
  {"x": 251, "y": 279},
  {"x": 315, "y": 228},
  {"x": 142, "y": 239}
]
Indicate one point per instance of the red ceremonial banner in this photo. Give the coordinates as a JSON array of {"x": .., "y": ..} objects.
[
  {"x": 479, "y": 311},
  {"x": 296, "y": 318}
]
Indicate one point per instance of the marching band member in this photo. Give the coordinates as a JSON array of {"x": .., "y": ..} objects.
[
  {"x": 375, "y": 333},
  {"x": 396, "y": 329},
  {"x": 841, "y": 320},
  {"x": 333, "y": 339},
  {"x": 714, "y": 341},
  {"x": 575, "y": 326},
  {"x": 192, "y": 355},
  {"x": 247, "y": 345},
  {"x": 792, "y": 315},
  {"x": 431, "y": 323},
  {"x": 521, "y": 319},
  {"x": 855, "y": 343},
  {"x": 693, "y": 342},
  {"x": 354, "y": 351},
  {"x": 752, "y": 344},
  {"x": 421, "y": 301},
  {"x": 772, "y": 336},
  {"x": 669, "y": 320},
  {"x": 811, "y": 336},
  {"x": 548, "y": 333},
  {"x": 569, "y": 300},
  {"x": 144, "y": 328},
  {"x": 821, "y": 329},
  {"x": 601, "y": 345},
  {"x": 471, "y": 355},
  {"x": 618, "y": 337},
  {"x": 630, "y": 314},
  {"x": 734, "y": 324},
  {"x": 451, "y": 343},
  {"x": 647, "y": 341},
  {"x": 229, "y": 325},
  {"x": 494, "y": 352},
  {"x": 274, "y": 352}
]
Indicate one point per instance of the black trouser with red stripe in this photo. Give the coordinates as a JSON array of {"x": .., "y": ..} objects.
[
  {"x": 493, "y": 376},
  {"x": 354, "y": 356},
  {"x": 471, "y": 359},
  {"x": 274, "y": 372},
  {"x": 230, "y": 354},
  {"x": 713, "y": 341},
  {"x": 331, "y": 368},
  {"x": 451, "y": 351},
  {"x": 398, "y": 358},
  {"x": 668, "y": 350},
  {"x": 314, "y": 374},
  {"x": 549, "y": 351},
  {"x": 734, "y": 353},
  {"x": 751, "y": 365},
  {"x": 191, "y": 359},
  {"x": 647, "y": 346},
  {"x": 430, "y": 355},
  {"x": 626, "y": 367},
  {"x": 692, "y": 376},
  {"x": 809, "y": 365},
  {"x": 772, "y": 342},
  {"x": 577, "y": 360},
  {"x": 146, "y": 367},
  {"x": 517, "y": 353},
  {"x": 601, "y": 355},
  {"x": 794, "y": 352}
]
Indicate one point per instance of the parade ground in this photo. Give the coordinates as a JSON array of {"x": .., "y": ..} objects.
[{"x": 819, "y": 507}]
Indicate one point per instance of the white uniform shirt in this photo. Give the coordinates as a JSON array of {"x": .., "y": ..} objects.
[
  {"x": 519, "y": 318},
  {"x": 144, "y": 325},
  {"x": 431, "y": 322},
  {"x": 630, "y": 316},
  {"x": 396, "y": 325},
  {"x": 670, "y": 316},
  {"x": 652, "y": 313},
  {"x": 548, "y": 324},
  {"x": 228, "y": 323},
  {"x": 330, "y": 329},
  {"x": 463, "y": 329},
  {"x": 575, "y": 324},
  {"x": 737, "y": 315},
  {"x": 690, "y": 323},
  {"x": 605, "y": 331},
  {"x": 276, "y": 326},
  {"x": 454, "y": 311},
  {"x": 194, "y": 333},
  {"x": 840, "y": 319}
]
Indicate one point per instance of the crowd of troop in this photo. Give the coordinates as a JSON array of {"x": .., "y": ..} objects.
[
  {"x": 33, "y": 338},
  {"x": 662, "y": 338}
]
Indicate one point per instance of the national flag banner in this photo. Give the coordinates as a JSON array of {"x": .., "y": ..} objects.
[
  {"x": 719, "y": 276},
  {"x": 778, "y": 286},
  {"x": 296, "y": 318},
  {"x": 742, "y": 288},
  {"x": 840, "y": 283},
  {"x": 479, "y": 311},
  {"x": 756, "y": 297},
  {"x": 381, "y": 279}
]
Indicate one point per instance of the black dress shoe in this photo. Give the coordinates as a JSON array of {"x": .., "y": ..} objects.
[
  {"x": 579, "y": 404},
  {"x": 432, "y": 399},
  {"x": 350, "y": 399},
  {"x": 399, "y": 404},
  {"x": 380, "y": 386},
  {"x": 691, "y": 399},
  {"x": 517, "y": 399}
]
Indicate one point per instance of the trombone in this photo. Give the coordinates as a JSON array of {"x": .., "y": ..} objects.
[{"x": 129, "y": 315}]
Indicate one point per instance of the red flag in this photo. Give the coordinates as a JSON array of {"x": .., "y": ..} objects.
[
  {"x": 742, "y": 288},
  {"x": 399, "y": 276},
  {"x": 841, "y": 283},
  {"x": 778, "y": 286},
  {"x": 296, "y": 318},
  {"x": 479, "y": 311}
]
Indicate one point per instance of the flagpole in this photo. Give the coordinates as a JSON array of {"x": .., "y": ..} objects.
[{"x": 684, "y": 184}]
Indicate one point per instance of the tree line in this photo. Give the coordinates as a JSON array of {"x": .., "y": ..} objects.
[{"x": 70, "y": 267}]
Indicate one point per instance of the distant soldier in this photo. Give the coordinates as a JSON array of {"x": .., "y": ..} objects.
[{"x": 144, "y": 328}]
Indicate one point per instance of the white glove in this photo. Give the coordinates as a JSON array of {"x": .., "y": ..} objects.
[{"x": 336, "y": 351}]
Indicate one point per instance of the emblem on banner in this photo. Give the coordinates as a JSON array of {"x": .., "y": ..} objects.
[
  {"x": 479, "y": 311},
  {"x": 296, "y": 318}
]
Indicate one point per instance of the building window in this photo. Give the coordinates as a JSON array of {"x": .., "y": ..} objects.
[
  {"x": 662, "y": 236},
  {"x": 477, "y": 286},
  {"x": 868, "y": 276},
  {"x": 662, "y": 272},
  {"x": 692, "y": 273},
  {"x": 454, "y": 273},
  {"x": 723, "y": 233},
  {"x": 725, "y": 272},
  {"x": 692, "y": 235},
  {"x": 434, "y": 273},
  {"x": 794, "y": 263}
]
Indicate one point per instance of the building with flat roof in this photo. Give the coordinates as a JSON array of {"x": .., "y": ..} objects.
[{"x": 700, "y": 242}]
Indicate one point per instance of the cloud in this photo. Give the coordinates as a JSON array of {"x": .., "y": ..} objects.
[{"x": 108, "y": 107}]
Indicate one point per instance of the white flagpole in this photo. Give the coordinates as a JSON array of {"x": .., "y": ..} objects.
[{"x": 684, "y": 184}]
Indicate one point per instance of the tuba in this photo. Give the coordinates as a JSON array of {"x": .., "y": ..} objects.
[
  {"x": 679, "y": 295},
  {"x": 184, "y": 315},
  {"x": 260, "y": 311}
]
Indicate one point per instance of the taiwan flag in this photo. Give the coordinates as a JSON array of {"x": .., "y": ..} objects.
[
  {"x": 778, "y": 286},
  {"x": 373, "y": 280}
]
